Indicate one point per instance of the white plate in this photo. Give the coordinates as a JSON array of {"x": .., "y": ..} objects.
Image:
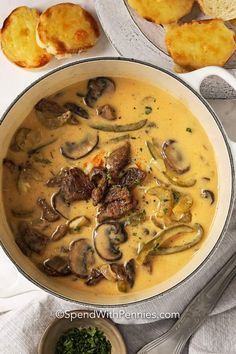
[{"x": 134, "y": 37}]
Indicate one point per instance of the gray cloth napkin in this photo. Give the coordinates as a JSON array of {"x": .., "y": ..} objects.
[{"x": 22, "y": 327}]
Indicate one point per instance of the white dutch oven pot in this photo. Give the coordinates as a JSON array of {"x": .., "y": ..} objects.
[{"x": 185, "y": 88}]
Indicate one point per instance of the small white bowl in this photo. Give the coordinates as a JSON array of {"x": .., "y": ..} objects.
[{"x": 83, "y": 319}]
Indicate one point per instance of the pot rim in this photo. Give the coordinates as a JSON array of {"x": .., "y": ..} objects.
[{"x": 229, "y": 213}]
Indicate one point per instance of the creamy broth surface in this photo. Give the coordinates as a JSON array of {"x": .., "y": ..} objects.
[{"x": 133, "y": 101}]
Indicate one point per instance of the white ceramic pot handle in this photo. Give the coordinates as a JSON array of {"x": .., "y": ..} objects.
[{"x": 195, "y": 78}]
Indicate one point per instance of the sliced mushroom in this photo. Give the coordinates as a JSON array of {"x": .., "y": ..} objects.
[
  {"x": 51, "y": 114},
  {"x": 25, "y": 139},
  {"x": 59, "y": 205},
  {"x": 76, "y": 109},
  {"x": 96, "y": 88},
  {"x": 81, "y": 257},
  {"x": 107, "y": 272},
  {"x": 56, "y": 266},
  {"x": 207, "y": 194},
  {"x": 174, "y": 158},
  {"x": 107, "y": 237},
  {"x": 130, "y": 272},
  {"x": 27, "y": 174},
  {"x": 30, "y": 239},
  {"x": 178, "y": 181},
  {"x": 59, "y": 233},
  {"x": 57, "y": 179},
  {"x": 121, "y": 275},
  {"x": 95, "y": 277},
  {"x": 11, "y": 166},
  {"x": 74, "y": 225},
  {"x": 77, "y": 150},
  {"x": 107, "y": 112},
  {"x": 49, "y": 213},
  {"x": 156, "y": 155},
  {"x": 186, "y": 217}
]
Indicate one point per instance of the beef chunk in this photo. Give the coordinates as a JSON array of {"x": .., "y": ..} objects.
[
  {"x": 132, "y": 177},
  {"x": 118, "y": 203},
  {"x": 56, "y": 181},
  {"x": 98, "y": 177},
  {"x": 76, "y": 185},
  {"x": 117, "y": 160},
  {"x": 30, "y": 240},
  {"x": 49, "y": 213},
  {"x": 117, "y": 193}
]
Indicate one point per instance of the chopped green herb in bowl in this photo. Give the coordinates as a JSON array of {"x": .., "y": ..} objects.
[{"x": 88, "y": 340}]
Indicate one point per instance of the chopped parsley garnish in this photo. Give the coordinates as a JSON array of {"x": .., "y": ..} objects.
[
  {"x": 189, "y": 130},
  {"x": 148, "y": 109},
  {"x": 84, "y": 341}
]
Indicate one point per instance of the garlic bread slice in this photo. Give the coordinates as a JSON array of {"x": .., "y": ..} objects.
[
  {"x": 18, "y": 39},
  {"x": 200, "y": 43},
  {"x": 162, "y": 11},
  {"x": 66, "y": 29}
]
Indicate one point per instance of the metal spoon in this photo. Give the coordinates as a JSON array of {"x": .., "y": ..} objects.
[{"x": 194, "y": 315}]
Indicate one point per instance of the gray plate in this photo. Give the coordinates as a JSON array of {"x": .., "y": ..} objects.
[{"x": 134, "y": 37}]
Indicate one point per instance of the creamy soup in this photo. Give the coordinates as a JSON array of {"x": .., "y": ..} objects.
[{"x": 110, "y": 185}]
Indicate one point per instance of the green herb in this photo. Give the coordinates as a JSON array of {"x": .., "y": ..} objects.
[
  {"x": 165, "y": 210},
  {"x": 137, "y": 181},
  {"x": 109, "y": 178},
  {"x": 43, "y": 161},
  {"x": 189, "y": 130},
  {"x": 135, "y": 218},
  {"x": 148, "y": 109},
  {"x": 176, "y": 196},
  {"x": 83, "y": 341}
]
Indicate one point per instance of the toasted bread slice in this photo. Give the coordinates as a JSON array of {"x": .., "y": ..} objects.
[
  {"x": 18, "y": 39},
  {"x": 223, "y": 9},
  {"x": 65, "y": 29},
  {"x": 200, "y": 43},
  {"x": 162, "y": 11},
  {"x": 233, "y": 22}
]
